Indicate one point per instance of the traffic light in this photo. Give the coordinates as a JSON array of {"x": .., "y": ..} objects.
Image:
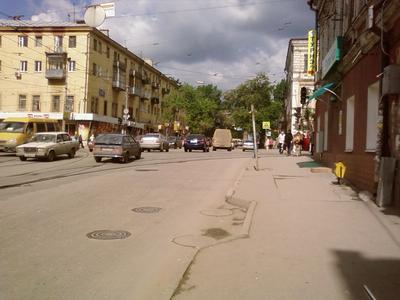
[{"x": 303, "y": 95}]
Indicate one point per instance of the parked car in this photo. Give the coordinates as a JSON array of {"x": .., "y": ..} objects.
[
  {"x": 48, "y": 145},
  {"x": 174, "y": 142},
  {"x": 222, "y": 139},
  {"x": 117, "y": 146},
  {"x": 151, "y": 141},
  {"x": 195, "y": 142},
  {"x": 248, "y": 145}
]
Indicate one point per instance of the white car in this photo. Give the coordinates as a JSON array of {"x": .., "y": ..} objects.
[
  {"x": 248, "y": 145},
  {"x": 48, "y": 145},
  {"x": 154, "y": 141}
]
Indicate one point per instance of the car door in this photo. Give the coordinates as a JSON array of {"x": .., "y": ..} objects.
[{"x": 135, "y": 147}]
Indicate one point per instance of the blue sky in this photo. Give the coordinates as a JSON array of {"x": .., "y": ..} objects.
[{"x": 221, "y": 42}]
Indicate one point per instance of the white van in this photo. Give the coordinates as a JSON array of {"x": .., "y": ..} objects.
[{"x": 222, "y": 139}]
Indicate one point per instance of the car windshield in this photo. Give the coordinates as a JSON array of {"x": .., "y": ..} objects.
[
  {"x": 44, "y": 138},
  {"x": 12, "y": 127},
  {"x": 111, "y": 139}
]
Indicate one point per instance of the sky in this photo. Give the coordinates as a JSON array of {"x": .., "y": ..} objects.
[{"x": 219, "y": 42}]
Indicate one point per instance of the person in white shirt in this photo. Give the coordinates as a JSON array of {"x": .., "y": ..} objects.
[{"x": 281, "y": 141}]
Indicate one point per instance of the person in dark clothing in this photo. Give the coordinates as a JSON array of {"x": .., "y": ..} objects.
[
  {"x": 288, "y": 142},
  {"x": 80, "y": 141}
]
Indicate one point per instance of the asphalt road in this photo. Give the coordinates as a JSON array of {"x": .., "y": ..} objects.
[{"x": 51, "y": 214}]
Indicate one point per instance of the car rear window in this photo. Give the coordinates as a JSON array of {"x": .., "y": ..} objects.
[
  {"x": 111, "y": 139},
  {"x": 195, "y": 136}
]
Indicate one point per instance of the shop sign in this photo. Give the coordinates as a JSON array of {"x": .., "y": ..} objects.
[
  {"x": 312, "y": 52},
  {"x": 332, "y": 57}
]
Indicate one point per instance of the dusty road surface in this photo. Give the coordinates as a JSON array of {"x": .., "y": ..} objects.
[{"x": 76, "y": 229}]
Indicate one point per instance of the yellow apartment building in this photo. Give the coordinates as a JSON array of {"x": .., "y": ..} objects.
[{"x": 78, "y": 75}]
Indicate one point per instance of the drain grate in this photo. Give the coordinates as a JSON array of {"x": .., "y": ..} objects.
[
  {"x": 108, "y": 235},
  {"x": 147, "y": 210}
]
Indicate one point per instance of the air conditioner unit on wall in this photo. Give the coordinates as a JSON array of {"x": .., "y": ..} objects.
[{"x": 391, "y": 80}]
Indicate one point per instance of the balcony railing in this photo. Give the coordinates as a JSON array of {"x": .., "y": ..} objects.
[
  {"x": 134, "y": 90},
  {"x": 118, "y": 84},
  {"x": 56, "y": 74}
]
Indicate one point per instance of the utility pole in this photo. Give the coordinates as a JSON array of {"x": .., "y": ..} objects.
[
  {"x": 254, "y": 137},
  {"x": 126, "y": 111}
]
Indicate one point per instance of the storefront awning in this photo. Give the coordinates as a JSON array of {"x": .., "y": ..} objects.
[{"x": 322, "y": 90}]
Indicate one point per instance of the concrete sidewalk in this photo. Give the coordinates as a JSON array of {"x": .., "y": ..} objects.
[{"x": 309, "y": 239}]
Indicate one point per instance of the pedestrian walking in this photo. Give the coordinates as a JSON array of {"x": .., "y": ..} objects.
[
  {"x": 80, "y": 141},
  {"x": 288, "y": 142},
  {"x": 281, "y": 141},
  {"x": 297, "y": 143}
]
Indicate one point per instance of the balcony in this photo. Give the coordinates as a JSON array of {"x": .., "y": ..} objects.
[
  {"x": 165, "y": 91},
  {"x": 118, "y": 85},
  {"x": 56, "y": 74},
  {"x": 134, "y": 90},
  {"x": 134, "y": 73},
  {"x": 146, "y": 95},
  {"x": 155, "y": 85},
  {"x": 155, "y": 100}
]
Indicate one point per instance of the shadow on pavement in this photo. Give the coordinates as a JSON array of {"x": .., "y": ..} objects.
[
  {"x": 392, "y": 211},
  {"x": 381, "y": 276}
]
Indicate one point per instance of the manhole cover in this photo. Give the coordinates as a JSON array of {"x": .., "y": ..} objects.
[
  {"x": 108, "y": 235},
  {"x": 146, "y": 170},
  {"x": 147, "y": 210}
]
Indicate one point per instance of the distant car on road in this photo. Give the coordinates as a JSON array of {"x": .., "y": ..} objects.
[
  {"x": 117, "y": 146},
  {"x": 154, "y": 141},
  {"x": 195, "y": 142},
  {"x": 248, "y": 145},
  {"x": 48, "y": 145},
  {"x": 174, "y": 142}
]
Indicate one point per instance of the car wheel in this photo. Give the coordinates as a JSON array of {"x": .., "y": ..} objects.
[
  {"x": 204, "y": 149},
  {"x": 190, "y": 150},
  {"x": 148, "y": 150},
  {"x": 214, "y": 149},
  {"x": 51, "y": 156},
  {"x": 186, "y": 150},
  {"x": 229, "y": 149},
  {"x": 125, "y": 158},
  {"x": 139, "y": 155},
  {"x": 208, "y": 149},
  {"x": 97, "y": 159},
  {"x": 71, "y": 154},
  {"x": 167, "y": 150},
  {"x": 23, "y": 158}
]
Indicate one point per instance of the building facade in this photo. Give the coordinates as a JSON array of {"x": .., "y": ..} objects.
[
  {"x": 78, "y": 75},
  {"x": 298, "y": 116},
  {"x": 357, "y": 109}
]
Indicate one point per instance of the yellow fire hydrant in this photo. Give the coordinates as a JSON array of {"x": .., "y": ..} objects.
[{"x": 340, "y": 170}]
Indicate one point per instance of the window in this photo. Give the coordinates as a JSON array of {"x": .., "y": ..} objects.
[
  {"x": 100, "y": 47},
  {"x": 94, "y": 105},
  {"x": 0, "y": 65},
  {"x": 23, "y": 66},
  {"x": 22, "y": 41},
  {"x": 350, "y": 125},
  {"x": 38, "y": 41},
  {"x": 51, "y": 127},
  {"x": 55, "y": 103},
  {"x": 35, "y": 103},
  {"x": 22, "y": 102},
  {"x": 105, "y": 108},
  {"x": 72, "y": 41},
  {"x": 0, "y": 40},
  {"x": 108, "y": 52},
  {"x": 69, "y": 104},
  {"x": 372, "y": 117},
  {"x": 71, "y": 65},
  {"x": 38, "y": 66},
  {"x": 326, "y": 130},
  {"x": 94, "y": 44},
  {"x": 40, "y": 127},
  {"x": 305, "y": 63},
  {"x": 58, "y": 43},
  {"x": 94, "y": 69}
]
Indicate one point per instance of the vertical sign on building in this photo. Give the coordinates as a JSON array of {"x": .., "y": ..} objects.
[{"x": 312, "y": 52}]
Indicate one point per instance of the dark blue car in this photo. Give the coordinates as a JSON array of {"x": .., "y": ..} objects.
[{"x": 195, "y": 142}]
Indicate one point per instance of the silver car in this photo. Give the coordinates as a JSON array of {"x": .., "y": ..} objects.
[
  {"x": 154, "y": 141},
  {"x": 248, "y": 145}
]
